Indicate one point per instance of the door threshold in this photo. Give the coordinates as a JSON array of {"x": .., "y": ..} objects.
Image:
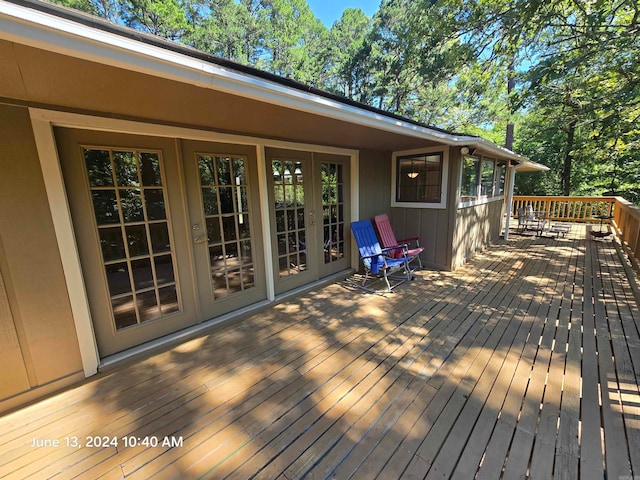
[
  {"x": 310, "y": 286},
  {"x": 112, "y": 361},
  {"x": 117, "y": 359}
]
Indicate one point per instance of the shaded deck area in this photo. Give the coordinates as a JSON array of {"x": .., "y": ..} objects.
[{"x": 525, "y": 363}]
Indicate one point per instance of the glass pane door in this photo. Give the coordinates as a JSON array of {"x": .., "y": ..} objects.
[
  {"x": 128, "y": 198},
  {"x": 127, "y": 208},
  {"x": 290, "y": 216},
  {"x": 334, "y": 204},
  {"x": 223, "y": 184},
  {"x": 226, "y": 229}
]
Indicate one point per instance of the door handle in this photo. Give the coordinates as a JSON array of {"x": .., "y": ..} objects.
[{"x": 200, "y": 239}]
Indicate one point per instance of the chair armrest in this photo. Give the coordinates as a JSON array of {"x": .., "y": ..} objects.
[
  {"x": 407, "y": 240},
  {"x": 396, "y": 247}
]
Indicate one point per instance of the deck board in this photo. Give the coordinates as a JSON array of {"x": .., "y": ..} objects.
[{"x": 523, "y": 363}]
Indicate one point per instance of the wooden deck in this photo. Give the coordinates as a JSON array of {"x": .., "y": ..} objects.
[{"x": 525, "y": 363}]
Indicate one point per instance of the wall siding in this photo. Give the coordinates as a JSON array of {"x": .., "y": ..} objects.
[{"x": 38, "y": 305}]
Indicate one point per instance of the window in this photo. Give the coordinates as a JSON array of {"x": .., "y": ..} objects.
[
  {"x": 470, "y": 179},
  {"x": 419, "y": 178},
  {"x": 481, "y": 179},
  {"x": 486, "y": 178}
]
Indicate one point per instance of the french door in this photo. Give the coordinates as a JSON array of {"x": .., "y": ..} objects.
[
  {"x": 309, "y": 210},
  {"x": 168, "y": 231}
]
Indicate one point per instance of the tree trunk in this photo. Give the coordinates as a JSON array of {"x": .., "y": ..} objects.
[
  {"x": 511, "y": 82},
  {"x": 568, "y": 159}
]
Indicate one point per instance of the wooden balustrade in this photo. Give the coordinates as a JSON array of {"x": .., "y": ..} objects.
[
  {"x": 625, "y": 221},
  {"x": 567, "y": 209}
]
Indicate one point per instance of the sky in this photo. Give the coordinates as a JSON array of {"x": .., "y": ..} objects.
[{"x": 328, "y": 11}]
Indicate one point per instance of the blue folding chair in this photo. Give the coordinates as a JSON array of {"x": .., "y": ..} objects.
[{"x": 377, "y": 263}]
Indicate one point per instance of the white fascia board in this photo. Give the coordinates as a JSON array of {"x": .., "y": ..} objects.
[{"x": 48, "y": 32}]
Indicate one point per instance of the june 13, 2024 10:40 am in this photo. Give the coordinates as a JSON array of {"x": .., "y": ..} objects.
[{"x": 105, "y": 441}]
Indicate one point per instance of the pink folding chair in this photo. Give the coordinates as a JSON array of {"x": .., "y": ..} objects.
[{"x": 388, "y": 239}]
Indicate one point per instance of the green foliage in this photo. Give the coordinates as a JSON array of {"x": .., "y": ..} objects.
[{"x": 565, "y": 72}]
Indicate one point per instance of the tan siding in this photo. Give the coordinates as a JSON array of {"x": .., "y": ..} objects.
[
  {"x": 14, "y": 372},
  {"x": 375, "y": 183},
  {"x": 33, "y": 276},
  {"x": 476, "y": 228}
]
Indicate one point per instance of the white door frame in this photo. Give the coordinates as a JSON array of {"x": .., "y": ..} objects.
[{"x": 43, "y": 121}]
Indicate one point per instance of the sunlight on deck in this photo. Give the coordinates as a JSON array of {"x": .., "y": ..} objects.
[{"x": 523, "y": 362}]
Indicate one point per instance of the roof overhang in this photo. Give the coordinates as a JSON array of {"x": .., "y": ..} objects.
[
  {"x": 137, "y": 52},
  {"x": 530, "y": 166}
]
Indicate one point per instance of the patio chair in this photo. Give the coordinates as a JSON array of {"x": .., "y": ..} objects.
[
  {"x": 377, "y": 263},
  {"x": 388, "y": 239}
]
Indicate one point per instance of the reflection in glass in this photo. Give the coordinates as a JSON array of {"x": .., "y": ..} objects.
[
  {"x": 213, "y": 230},
  {"x": 239, "y": 171},
  {"x": 280, "y": 224},
  {"x": 118, "y": 278},
  {"x": 243, "y": 229},
  {"x": 168, "y": 300},
  {"x": 219, "y": 283},
  {"x": 246, "y": 252},
  {"x": 150, "y": 169},
  {"x": 147, "y": 306},
  {"x": 99, "y": 168},
  {"x": 111, "y": 243},
  {"x": 226, "y": 200},
  {"x": 135, "y": 236},
  {"x": 131, "y": 205},
  {"x": 235, "y": 281},
  {"x": 105, "y": 206},
  {"x": 224, "y": 170},
  {"x": 229, "y": 228},
  {"x": 159, "y": 237},
  {"x": 216, "y": 257},
  {"x": 137, "y": 240},
  {"x": 247, "y": 277},
  {"x": 124, "y": 312},
  {"x": 164, "y": 269},
  {"x": 205, "y": 167},
  {"x": 142, "y": 274},
  {"x": 154, "y": 199},
  {"x": 210, "y": 201},
  {"x": 126, "y": 169}
]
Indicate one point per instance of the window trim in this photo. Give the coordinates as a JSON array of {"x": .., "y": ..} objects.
[{"x": 444, "y": 182}]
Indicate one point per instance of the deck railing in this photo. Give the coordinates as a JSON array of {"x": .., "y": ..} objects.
[{"x": 625, "y": 221}]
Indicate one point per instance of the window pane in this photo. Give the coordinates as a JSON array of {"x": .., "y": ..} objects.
[
  {"x": 118, "y": 278},
  {"x": 213, "y": 229},
  {"x": 229, "y": 228},
  {"x": 219, "y": 283},
  {"x": 126, "y": 169},
  {"x": 124, "y": 312},
  {"x": 226, "y": 200},
  {"x": 210, "y": 201},
  {"x": 235, "y": 281},
  {"x": 470, "y": 180},
  {"x": 238, "y": 171},
  {"x": 224, "y": 172},
  {"x": 159, "y": 237},
  {"x": 168, "y": 300},
  {"x": 150, "y": 169},
  {"x": 111, "y": 243},
  {"x": 155, "y": 204},
  {"x": 216, "y": 257},
  {"x": 105, "y": 206},
  {"x": 487, "y": 178},
  {"x": 419, "y": 178},
  {"x": 142, "y": 274},
  {"x": 247, "y": 277},
  {"x": 164, "y": 269},
  {"x": 137, "y": 240},
  {"x": 147, "y": 306},
  {"x": 205, "y": 167},
  {"x": 98, "y": 168},
  {"x": 131, "y": 205}
]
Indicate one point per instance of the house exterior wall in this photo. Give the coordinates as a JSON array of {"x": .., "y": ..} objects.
[
  {"x": 375, "y": 189},
  {"x": 476, "y": 228},
  {"x": 39, "y": 349}
]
